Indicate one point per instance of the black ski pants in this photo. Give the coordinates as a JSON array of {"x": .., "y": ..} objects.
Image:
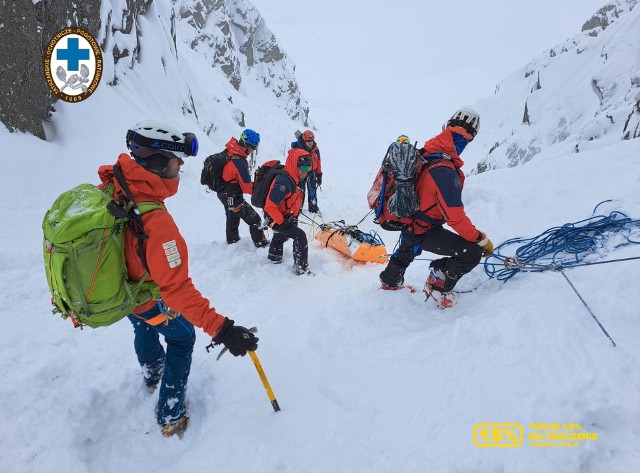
[
  {"x": 461, "y": 256},
  {"x": 237, "y": 208},
  {"x": 300, "y": 245}
]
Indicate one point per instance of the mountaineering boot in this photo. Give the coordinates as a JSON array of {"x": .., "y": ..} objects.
[
  {"x": 262, "y": 243},
  {"x": 275, "y": 251},
  {"x": 274, "y": 258},
  {"x": 302, "y": 270},
  {"x": 176, "y": 427},
  {"x": 435, "y": 286},
  {"x": 437, "y": 279},
  {"x": 391, "y": 279}
]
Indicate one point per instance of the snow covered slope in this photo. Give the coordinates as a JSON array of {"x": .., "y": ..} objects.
[
  {"x": 578, "y": 95},
  {"x": 368, "y": 381}
]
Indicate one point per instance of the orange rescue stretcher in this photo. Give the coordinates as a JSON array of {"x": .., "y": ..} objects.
[{"x": 352, "y": 242}]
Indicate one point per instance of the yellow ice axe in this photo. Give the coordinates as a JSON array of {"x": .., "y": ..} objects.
[
  {"x": 256, "y": 363},
  {"x": 265, "y": 381}
]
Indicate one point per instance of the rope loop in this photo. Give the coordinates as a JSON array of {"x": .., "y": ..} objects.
[{"x": 565, "y": 246}]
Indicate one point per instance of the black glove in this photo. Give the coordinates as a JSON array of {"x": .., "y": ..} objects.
[
  {"x": 289, "y": 221},
  {"x": 237, "y": 339},
  {"x": 319, "y": 179}
]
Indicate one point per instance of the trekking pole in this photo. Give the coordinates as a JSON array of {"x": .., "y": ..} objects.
[
  {"x": 588, "y": 308},
  {"x": 265, "y": 381}
]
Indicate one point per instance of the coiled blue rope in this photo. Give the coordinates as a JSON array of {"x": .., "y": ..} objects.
[{"x": 564, "y": 246}]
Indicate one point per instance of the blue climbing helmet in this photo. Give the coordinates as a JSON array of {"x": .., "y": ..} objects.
[{"x": 249, "y": 137}]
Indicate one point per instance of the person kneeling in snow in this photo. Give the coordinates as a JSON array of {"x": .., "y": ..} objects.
[
  {"x": 439, "y": 189},
  {"x": 282, "y": 208},
  {"x": 153, "y": 176}
]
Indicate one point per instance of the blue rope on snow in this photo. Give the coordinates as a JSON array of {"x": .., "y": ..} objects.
[{"x": 561, "y": 247}]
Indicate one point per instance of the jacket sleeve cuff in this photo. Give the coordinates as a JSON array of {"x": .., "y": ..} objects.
[{"x": 214, "y": 328}]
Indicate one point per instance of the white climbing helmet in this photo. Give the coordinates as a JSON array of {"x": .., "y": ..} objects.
[
  {"x": 151, "y": 136},
  {"x": 468, "y": 119}
]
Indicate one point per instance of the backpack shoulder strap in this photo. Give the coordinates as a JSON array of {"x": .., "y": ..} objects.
[
  {"x": 135, "y": 211},
  {"x": 145, "y": 207}
]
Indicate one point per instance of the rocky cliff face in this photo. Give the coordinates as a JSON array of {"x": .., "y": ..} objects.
[
  {"x": 235, "y": 39},
  {"x": 25, "y": 29},
  {"x": 230, "y": 35},
  {"x": 579, "y": 95}
]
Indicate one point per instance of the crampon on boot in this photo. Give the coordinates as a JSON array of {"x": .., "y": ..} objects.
[
  {"x": 433, "y": 288},
  {"x": 176, "y": 428},
  {"x": 408, "y": 287},
  {"x": 444, "y": 300}
]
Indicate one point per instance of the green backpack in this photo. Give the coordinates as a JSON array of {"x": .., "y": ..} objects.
[{"x": 84, "y": 256}]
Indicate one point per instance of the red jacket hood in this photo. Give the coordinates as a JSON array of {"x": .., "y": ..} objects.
[
  {"x": 144, "y": 185},
  {"x": 291, "y": 166},
  {"x": 234, "y": 148},
  {"x": 443, "y": 143}
]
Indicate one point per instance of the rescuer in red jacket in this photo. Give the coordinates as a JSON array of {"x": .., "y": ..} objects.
[
  {"x": 236, "y": 181},
  {"x": 152, "y": 175},
  {"x": 282, "y": 207},
  {"x": 307, "y": 141},
  {"x": 439, "y": 189}
]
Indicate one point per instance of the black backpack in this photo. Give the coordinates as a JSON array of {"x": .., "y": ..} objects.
[
  {"x": 402, "y": 160},
  {"x": 211, "y": 175},
  {"x": 393, "y": 195},
  {"x": 262, "y": 180}
]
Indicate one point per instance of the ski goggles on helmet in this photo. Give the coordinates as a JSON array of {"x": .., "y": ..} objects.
[
  {"x": 137, "y": 142},
  {"x": 191, "y": 142},
  {"x": 145, "y": 153},
  {"x": 402, "y": 139},
  {"x": 304, "y": 163},
  {"x": 157, "y": 162}
]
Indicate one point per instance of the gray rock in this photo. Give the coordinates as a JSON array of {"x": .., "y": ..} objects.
[{"x": 231, "y": 33}]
